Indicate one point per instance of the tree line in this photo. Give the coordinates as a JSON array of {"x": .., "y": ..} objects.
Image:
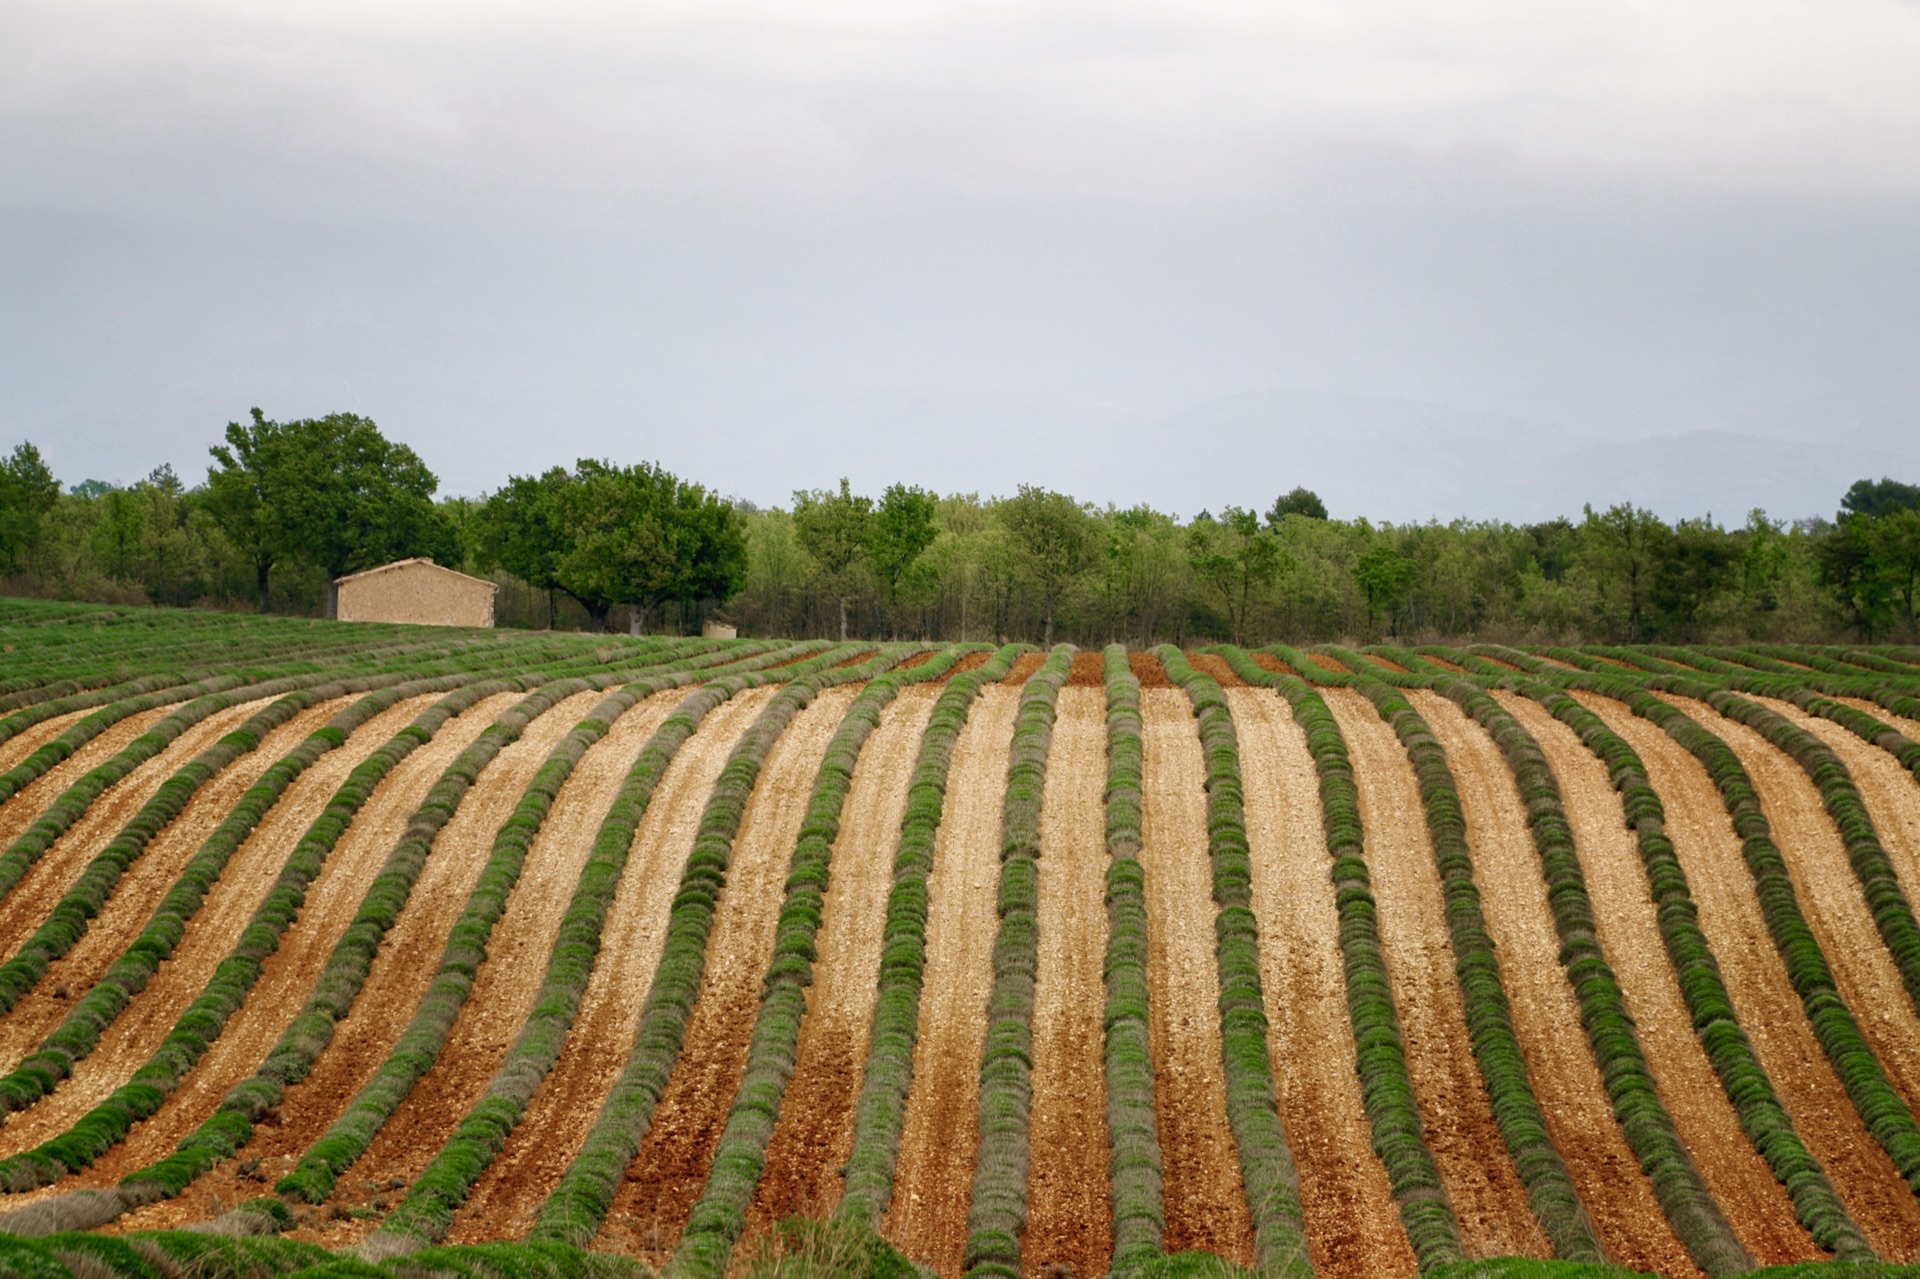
[{"x": 285, "y": 508}]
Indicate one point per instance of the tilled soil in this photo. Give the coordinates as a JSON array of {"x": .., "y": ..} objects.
[
  {"x": 1353, "y": 1224},
  {"x": 409, "y": 956},
  {"x": 1214, "y": 665},
  {"x": 1891, "y": 793},
  {"x": 814, "y": 1134},
  {"x": 29, "y": 740},
  {"x": 29, "y": 904},
  {"x": 505, "y": 987},
  {"x": 30, "y": 801},
  {"x": 1830, "y": 896},
  {"x": 1475, "y": 1168},
  {"x": 1899, "y": 723},
  {"x": 286, "y": 982},
  {"x": 1147, "y": 669},
  {"x": 508, "y": 1196},
  {"x": 940, "y": 1135},
  {"x": 124, "y": 1047},
  {"x": 1755, "y": 1204},
  {"x": 1618, "y": 1197},
  {"x": 1069, "y": 1194},
  {"x": 1025, "y": 667},
  {"x": 670, "y": 1169},
  {"x": 1205, "y": 1201},
  {"x": 1763, "y": 997}
]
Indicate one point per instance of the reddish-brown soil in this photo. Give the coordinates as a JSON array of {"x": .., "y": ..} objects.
[
  {"x": 1088, "y": 670},
  {"x": 1618, "y": 1197},
  {"x": 856, "y": 659},
  {"x": 119, "y": 922},
  {"x": 815, "y": 1130},
  {"x": 1268, "y": 662},
  {"x": 508, "y": 1196},
  {"x": 28, "y": 803},
  {"x": 670, "y": 1169},
  {"x": 1475, "y": 1169},
  {"x": 250, "y": 874},
  {"x": 408, "y": 958},
  {"x": 1025, "y": 667},
  {"x": 1444, "y": 664},
  {"x": 29, "y": 740},
  {"x": 940, "y": 1133},
  {"x": 1741, "y": 1183},
  {"x": 28, "y": 905},
  {"x": 1212, "y": 664},
  {"x": 1326, "y": 663},
  {"x": 1831, "y": 897},
  {"x": 1509, "y": 666},
  {"x": 1148, "y": 670},
  {"x": 1205, "y": 1200},
  {"x": 286, "y": 981},
  {"x": 971, "y": 662},
  {"x": 1069, "y": 1196},
  {"x": 1386, "y": 663},
  {"x": 1353, "y": 1224},
  {"x": 505, "y": 987},
  {"x": 1763, "y": 997}
]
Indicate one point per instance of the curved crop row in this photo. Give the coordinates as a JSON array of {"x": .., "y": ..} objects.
[
  {"x": 40, "y": 711},
  {"x": 1133, "y": 1135},
  {"x": 1882, "y": 1111},
  {"x": 880, "y": 1111},
  {"x": 1762, "y": 1117},
  {"x": 579, "y": 1204},
  {"x": 90, "y": 1016},
  {"x": 426, "y": 1213},
  {"x": 420, "y": 1044},
  {"x": 1615, "y": 1045},
  {"x": 740, "y": 1154},
  {"x": 201, "y": 1024},
  {"x": 997, "y": 1212},
  {"x": 1496, "y": 1046},
  {"x": 1386, "y": 1085},
  {"x": 1266, "y": 1165},
  {"x": 66, "y": 924}
]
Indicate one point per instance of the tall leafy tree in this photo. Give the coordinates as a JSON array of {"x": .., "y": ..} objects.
[
  {"x": 1300, "y": 501},
  {"x": 523, "y": 528},
  {"x": 640, "y": 536},
  {"x": 898, "y": 534},
  {"x": 1383, "y": 572},
  {"x": 1235, "y": 556},
  {"x": 1054, "y": 538},
  {"x": 1848, "y": 569},
  {"x": 1875, "y": 498},
  {"x": 28, "y": 494},
  {"x": 1624, "y": 548},
  {"x": 835, "y": 529},
  {"x": 244, "y": 499}
]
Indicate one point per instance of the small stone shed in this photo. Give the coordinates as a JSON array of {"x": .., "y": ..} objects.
[{"x": 417, "y": 591}]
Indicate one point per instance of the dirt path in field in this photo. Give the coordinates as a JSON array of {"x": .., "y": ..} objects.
[
  {"x": 1069, "y": 1193},
  {"x": 28, "y": 803},
  {"x": 814, "y": 1134},
  {"x": 250, "y": 874},
  {"x": 286, "y": 981},
  {"x": 1741, "y": 1183},
  {"x": 505, "y": 987},
  {"x": 29, "y": 903},
  {"x": 1891, "y": 793},
  {"x": 1763, "y": 998},
  {"x": 29, "y": 740},
  {"x": 940, "y": 1136},
  {"x": 670, "y": 1169},
  {"x": 1025, "y": 667},
  {"x": 508, "y": 1196},
  {"x": 404, "y": 967},
  {"x": 1618, "y": 1197},
  {"x": 1899, "y": 723},
  {"x": 1353, "y": 1224},
  {"x": 1205, "y": 1201},
  {"x": 140, "y": 890},
  {"x": 1213, "y": 665},
  {"x": 1831, "y": 897},
  {"x": 1475, "y": 1169}
]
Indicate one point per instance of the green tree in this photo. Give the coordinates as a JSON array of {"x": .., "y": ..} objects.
[
  {"x": 1700, "y": 561},
  {"x": 835, "y": 530},
  {"x": 1874, "y": 498},
  {"x": 1300, "y": 501},
  {"x": 641, "y": 536},
  {"x": 1894, "y": 541},
  {"x": 1623, "y": 548},
  {"x": 899, "y": 531},
  {"x": 1234, "y": 556},
  {"x": 1053, "y": 538},
  {"x": 1848, "y": 570},
  {"x": 1383, "y": 574},
  {"x": 28, "y": 495},
  {"x": 521, "y": 528}
]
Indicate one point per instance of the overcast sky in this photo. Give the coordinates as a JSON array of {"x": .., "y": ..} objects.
[{"x": 1187, "y": 253}]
